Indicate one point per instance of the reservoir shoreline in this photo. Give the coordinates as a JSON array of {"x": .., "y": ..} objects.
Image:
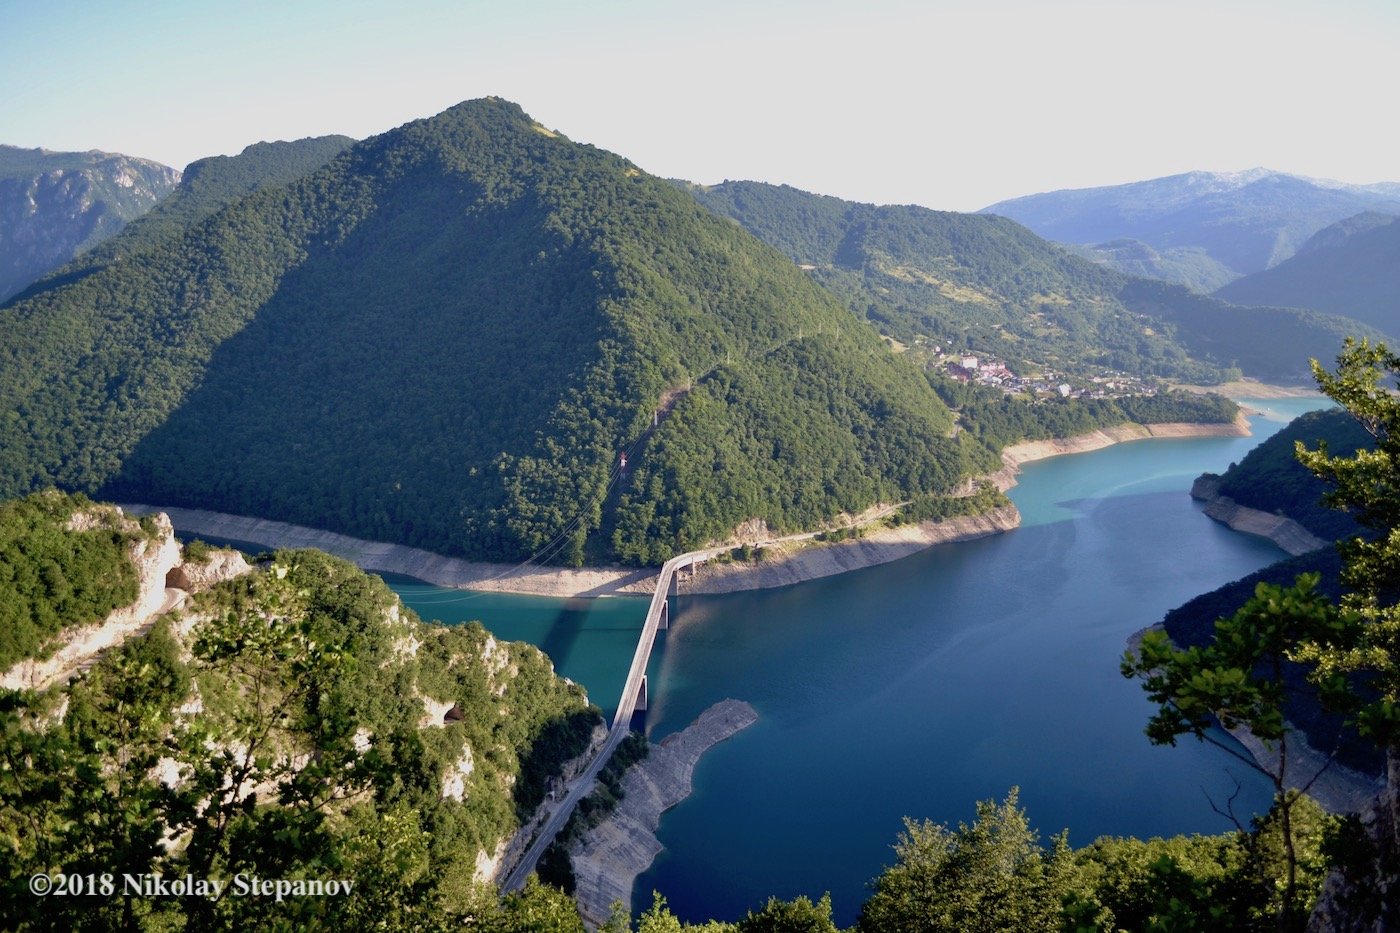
[
  {"x": 1281, "y": 530},
  {"x": 607, "y": 858},
  {"x": 807, "y": 561}
]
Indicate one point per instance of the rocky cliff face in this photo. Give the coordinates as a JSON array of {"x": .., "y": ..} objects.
[{"x": 53, "y": 205}]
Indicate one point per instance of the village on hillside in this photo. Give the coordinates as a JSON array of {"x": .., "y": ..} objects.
[{"x": 968, "y": 367}]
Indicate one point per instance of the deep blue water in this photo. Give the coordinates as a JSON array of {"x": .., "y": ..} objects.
[{"x": 919, "y": 687}]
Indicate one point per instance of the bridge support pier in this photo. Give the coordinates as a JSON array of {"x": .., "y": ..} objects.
[
  {"x": 641, "y": 706},
  {"x": 665, "y": 621}
]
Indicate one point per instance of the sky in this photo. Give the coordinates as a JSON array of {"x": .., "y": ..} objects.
[{"x": 952, "y": 104}]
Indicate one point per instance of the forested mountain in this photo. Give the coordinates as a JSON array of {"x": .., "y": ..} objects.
[
  {"x": 218, "y": 181},
  {"x": 205, "y": 187},
  {"x": 445, "y": 337},
  {"x": 1190, "y": 266},
  {"x": 1206, "y": 227},
  {"x": 991, "y": 285},
  {"x": 1351, "y": 268},
  {"x": 54, "y": 205},
  {"x": 292, "y": 722}
]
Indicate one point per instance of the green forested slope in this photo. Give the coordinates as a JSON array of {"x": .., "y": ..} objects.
[
  {"x": 987, "y": 283},
  {"x": 53, "y": 576},
  {"x": 977, "y": 281},
  {"x": 1268, "y": 343},
  {"x": 206, "y": 186},
  {"x": 445, "y": 337},
  {"x": 218, "y": 181}
]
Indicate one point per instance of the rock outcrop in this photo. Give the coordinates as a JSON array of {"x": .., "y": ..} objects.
[
  {"x": 194, "y": 576},
  {"x": 1364, "y": 897},
  {"x": 496, "y": 865},
  {"x": 1283, "y": 531},
  {"x": 608, "y": 858},
  {"x": 53, "y": 205}
]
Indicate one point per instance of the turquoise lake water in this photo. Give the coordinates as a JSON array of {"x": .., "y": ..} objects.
[{"x": 919, "y": 687}]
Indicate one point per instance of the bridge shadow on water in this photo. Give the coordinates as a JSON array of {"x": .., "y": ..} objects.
[
  {"x": 569, "y": 624},
  {"x": 564, "y": 631}
]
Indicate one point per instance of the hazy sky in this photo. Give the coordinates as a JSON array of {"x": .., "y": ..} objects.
[{"x": 944, "y": 103}]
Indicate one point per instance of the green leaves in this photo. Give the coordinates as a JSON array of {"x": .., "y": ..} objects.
[
  {"x": 1367, "y": 638},
  {"x": 989, "y": 876}
]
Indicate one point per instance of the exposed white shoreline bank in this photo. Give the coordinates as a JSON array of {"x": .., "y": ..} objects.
[
  {"x": 792, "y": 562},
  {"x": 1121, "y": 433},
  {"x": 608, "y": 857},
  {"x": 1284, "y": 532}
]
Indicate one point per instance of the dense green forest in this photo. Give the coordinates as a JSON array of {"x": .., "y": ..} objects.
[
  {"x": 1191, "y": 266},
  {"x": 972, "y": 281},
  {"x": 206, "y": 186},
  {"x": 448, "y": 335},
  {"x": 276, "y": 726},
  {"x": 307, "y": 680},
  {"x": 998, "y": 419},
  {"x": 1270, "y": 344},
  {"x": 986, "y": 283}
]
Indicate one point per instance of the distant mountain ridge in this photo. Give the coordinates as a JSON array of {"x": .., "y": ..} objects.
[
  {"x": 54, "y": 205},
  {"x": 1243, "y": 222},
  {"x": 978, "y": 281},
  {"x": 1351, "y": 268},
  {"x": 987, "y": 283}
]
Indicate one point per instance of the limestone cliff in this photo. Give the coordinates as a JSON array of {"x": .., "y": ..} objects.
[
  {"x": 293, "y": 692},
  {"x": 164, "y": 578},
  {"x": 1364, "y": 896}
]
